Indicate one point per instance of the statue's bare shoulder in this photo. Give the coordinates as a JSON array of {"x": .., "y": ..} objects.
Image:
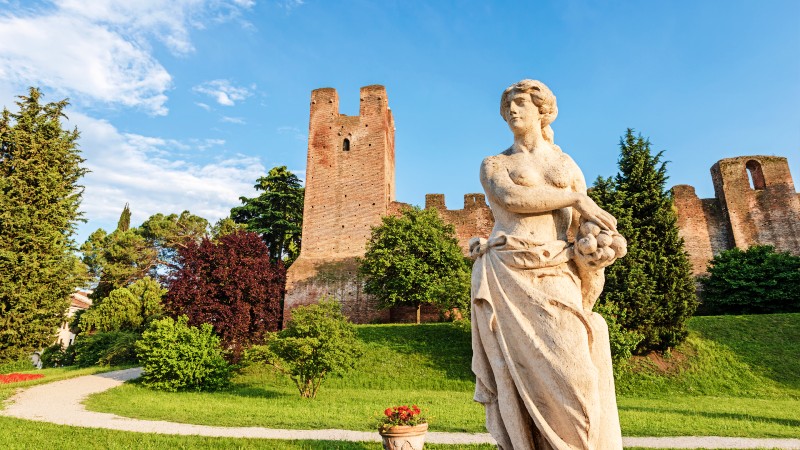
[{"x": 578, "y": 183}]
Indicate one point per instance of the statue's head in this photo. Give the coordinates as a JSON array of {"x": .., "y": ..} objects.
[{"x": 541, "y": 96}]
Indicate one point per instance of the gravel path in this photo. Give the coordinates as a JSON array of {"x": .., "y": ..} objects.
[{"x": 60, "y": 402}]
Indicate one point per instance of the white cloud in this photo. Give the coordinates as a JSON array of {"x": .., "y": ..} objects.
[
  {"x": 101, "y": 52},
  {"x": 203, "y": 106},
  {"x": 236, "y": 120},
  {"x": 95, "y": 62},
  {"x": 133, "y": 168},
  {"x": 223, "y": 91}
]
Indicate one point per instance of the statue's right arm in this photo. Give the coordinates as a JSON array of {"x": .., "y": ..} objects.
[{"x": 522, "y": 199}]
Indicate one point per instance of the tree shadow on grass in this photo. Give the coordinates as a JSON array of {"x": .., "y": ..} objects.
[
  {"x": 243, "y": 390},
  {"x": 447, "y": 347},
  {"x": 714, "y": 415}
]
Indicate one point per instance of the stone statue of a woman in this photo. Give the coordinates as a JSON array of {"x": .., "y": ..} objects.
[{"x": 540, "y": 355}]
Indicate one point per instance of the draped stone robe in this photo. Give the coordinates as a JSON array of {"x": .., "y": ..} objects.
[{"x": 542, "y": 364}]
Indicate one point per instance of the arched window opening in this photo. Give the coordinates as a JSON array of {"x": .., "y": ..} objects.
[
  {"x": 346, "y": 145},
  {"x": 756, "y": 175}
]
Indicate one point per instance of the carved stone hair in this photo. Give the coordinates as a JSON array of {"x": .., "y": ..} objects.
[{"x": 542, "y": 97}]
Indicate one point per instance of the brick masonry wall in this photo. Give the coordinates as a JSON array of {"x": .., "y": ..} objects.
[
  {"x": 475, "y": 220},
  {"x": 700, "y": 225},
  {"x": 759, "y": 201},
  {"x": 756, "y": 203},
  {"x": 350, "y": 185}
]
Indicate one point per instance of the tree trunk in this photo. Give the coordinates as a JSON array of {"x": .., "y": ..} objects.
[{"x": 419, "y": 307}]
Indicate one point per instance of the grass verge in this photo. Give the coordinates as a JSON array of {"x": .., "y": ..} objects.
[{"x": 734, "y": 376}]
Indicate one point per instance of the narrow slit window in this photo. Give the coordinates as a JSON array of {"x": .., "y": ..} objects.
[
  {"x": 346, "y": 145},
  {"x": 756, "y": 175}
]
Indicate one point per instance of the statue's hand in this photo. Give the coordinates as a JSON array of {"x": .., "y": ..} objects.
[
  {"x": 590, "y": 212},
  {"x": 596, "y": 248}
]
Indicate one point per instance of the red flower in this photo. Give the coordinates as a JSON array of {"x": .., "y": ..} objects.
[
  {"x": 17, "y": 377},
  {"x": 388, "y": 412}
]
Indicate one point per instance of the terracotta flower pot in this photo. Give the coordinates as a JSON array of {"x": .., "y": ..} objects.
[{"x": 403, "y": 437}]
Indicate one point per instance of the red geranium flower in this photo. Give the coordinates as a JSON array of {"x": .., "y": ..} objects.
[{"x": 17, "y": 377}]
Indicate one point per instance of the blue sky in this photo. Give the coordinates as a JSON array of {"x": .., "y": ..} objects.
[{"x": 183, "y": 104}]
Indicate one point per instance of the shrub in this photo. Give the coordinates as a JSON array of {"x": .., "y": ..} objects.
[
  {"x": 755, "y": 281},
  {"x": 623, "y": 342},
  {"x": 229, "y": 283},
  {"x": 54, "y": 356},
  {"x": 24, "y": 363},
  {"x": 111, "y": 348},
  {"x": 179, "y": 357},
  {"x": 317, "y": 341}
]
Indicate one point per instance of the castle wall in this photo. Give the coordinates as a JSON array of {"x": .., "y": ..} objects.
[
  {"x": 350, "y": 185},
  {"x": 755, "y": 203},
  {"x": 475, "y": 220},
  {"x": 758, "y": 201},
  {"x": 701, "y": 225}
]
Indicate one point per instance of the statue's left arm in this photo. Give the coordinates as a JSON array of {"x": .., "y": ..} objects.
[{"x": 592, "y": 252}]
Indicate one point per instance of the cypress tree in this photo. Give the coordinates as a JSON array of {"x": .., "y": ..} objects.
[
  {"x": 40, "y": 166},
  {"x": 652, "y": 286},
  {"x": 124, "y": 223}
]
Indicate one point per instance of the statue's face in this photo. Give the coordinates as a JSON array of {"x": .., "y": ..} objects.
[{"x": 523, "y": 114}]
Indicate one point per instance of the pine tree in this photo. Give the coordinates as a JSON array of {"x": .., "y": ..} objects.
[
  {"x": 276, "y": 214},
  {"x": 40, "y": 166},
  {"x": 652, "y": 286}
]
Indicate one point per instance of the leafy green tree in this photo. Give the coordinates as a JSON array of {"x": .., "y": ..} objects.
[
  {"x": 318, "y": 341},
  {"x": 224, "y": 227},
  {"x": 413, "y": 259},
  {"x": 126, "y": 255},
  {"x": 179, "y": 357},
  {"x": 117, "y": 259},
  {"x": 169, "y": 233},
  {"x": 651, "y": 289},
  {"x": 276, "y": 215},
  {"x": 130, "y": 308},
  {"x": 754, "y": 281},
  {"x": 40, "y": 166}
]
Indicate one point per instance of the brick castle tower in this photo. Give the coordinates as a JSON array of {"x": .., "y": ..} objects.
[{"x": 349, "y": 187}]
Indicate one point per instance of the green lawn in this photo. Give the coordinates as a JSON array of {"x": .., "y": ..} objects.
[
  {"x": 735, "y": 376},
  {"x": 16, "y": 434},
  {"x": 25, "y": 435}
]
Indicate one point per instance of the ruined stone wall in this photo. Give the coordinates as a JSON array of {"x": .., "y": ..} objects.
[
  {"x": 756, "y": 203},
  {"x": 759, "y": 201},
  {"x": 475, "y": 220},
  {"x": 349, "y": 186},
  {"x": 701, "y": 226}
]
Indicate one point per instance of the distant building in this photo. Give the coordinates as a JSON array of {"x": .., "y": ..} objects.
[{"x": 78, "y": 301}]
